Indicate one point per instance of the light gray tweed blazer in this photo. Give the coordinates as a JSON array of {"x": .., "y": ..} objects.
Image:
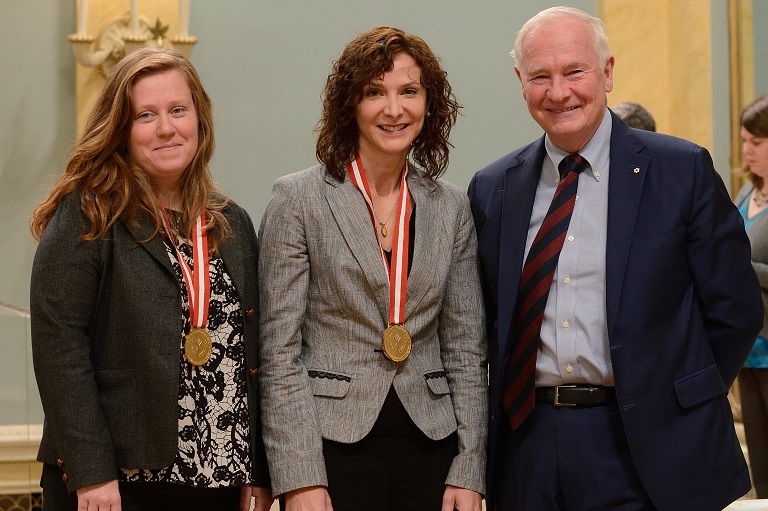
[
  {"x": 758, "y": 238},
  {"x": 324, "y": 297}
]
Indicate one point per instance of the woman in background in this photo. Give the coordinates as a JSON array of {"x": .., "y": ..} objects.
[
  {"x": 372, "y": 329},
  {"x": 752, "y": 201},
  {"x": 144, "y": 362}
]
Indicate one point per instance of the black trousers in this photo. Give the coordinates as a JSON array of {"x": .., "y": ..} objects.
[
  {"x": 753, "y": 391},
  {"x": 389, "y": 473},
  {"x": 395, "y": 467},
  {"x": 142, "y": 496}
]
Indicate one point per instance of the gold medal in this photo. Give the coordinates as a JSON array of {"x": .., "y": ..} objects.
[
  {"x": 198, "y": 347},
  {"x": 396, "y": 343}
]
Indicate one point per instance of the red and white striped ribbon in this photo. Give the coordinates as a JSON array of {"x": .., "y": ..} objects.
[
  {"x": 398, "y": 270},
  {"x": 198, "y": 280}
]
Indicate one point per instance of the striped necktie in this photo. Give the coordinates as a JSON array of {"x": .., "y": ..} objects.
[{"x": 535, "y": 282}]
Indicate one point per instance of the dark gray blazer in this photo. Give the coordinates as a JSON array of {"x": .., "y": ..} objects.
[
  {"x": 106, "y": 320},
  {"x": 758, "y": 238},
  {"x": 324, "y": 305}
]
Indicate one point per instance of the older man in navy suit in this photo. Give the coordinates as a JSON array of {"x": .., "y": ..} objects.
[{"x": 619, "y": 295}]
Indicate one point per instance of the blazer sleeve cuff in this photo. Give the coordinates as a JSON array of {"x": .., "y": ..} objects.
[
  {"x": 292, "y": 473},
  {"x": 468, "y": 471}
]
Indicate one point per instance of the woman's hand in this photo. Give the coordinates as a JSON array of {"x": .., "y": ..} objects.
[
  {"x": 311, "y": 498},
  {"x": 99, "y": 497},
  {"x": 461, "y": 499},
  {"x": 262, "y": 498}
]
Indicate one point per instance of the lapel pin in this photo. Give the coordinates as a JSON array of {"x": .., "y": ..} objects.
[{"x": 636, "y": 170}]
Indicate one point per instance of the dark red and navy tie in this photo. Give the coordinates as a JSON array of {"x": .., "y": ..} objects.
[{"x": 535, "y": 282}]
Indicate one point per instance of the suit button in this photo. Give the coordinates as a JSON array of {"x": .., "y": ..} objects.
[
  {"x": 60, "y": 462},
  {"x": 65, "y": 478},
  {"x": 249, "y": 313}
]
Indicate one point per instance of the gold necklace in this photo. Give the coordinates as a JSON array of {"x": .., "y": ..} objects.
[
  {"x": 760, "y": 198},
  {"x": 384, "y": 223}
]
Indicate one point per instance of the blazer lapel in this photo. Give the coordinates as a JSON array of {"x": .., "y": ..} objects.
[
  {"x": 520, "y": 185},
  {"x": 232, "y": 255},
  {"x": 141, "y": 231},
  {"x": 351, "y": 214},
  {"x": 628, "y": 169},
  {"x": 428, "y": 212}
]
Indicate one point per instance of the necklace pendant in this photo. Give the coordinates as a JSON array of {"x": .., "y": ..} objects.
[
  {"x": 760, "y": 199},
  {"x": 383, "y": 230}
]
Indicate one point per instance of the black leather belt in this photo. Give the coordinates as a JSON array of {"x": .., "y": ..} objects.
[{"x": 576, "y": 395}]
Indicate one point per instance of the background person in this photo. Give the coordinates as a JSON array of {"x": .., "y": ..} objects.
[
  {"x": 635, "y": 116},
  {"x": 373, "y": 372},
  {"x": 143, "y": 370},
  {"x": 649, "y": 304},
  {"x": 752, "y": 201}
]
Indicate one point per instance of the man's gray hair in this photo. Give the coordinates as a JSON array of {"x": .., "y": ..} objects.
[{"x": 555, "y": 13}]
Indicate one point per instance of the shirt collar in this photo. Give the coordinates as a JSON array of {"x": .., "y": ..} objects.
[{"x": 596, "y": 151}]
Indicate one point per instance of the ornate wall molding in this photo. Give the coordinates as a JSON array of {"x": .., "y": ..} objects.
[{"x": 19, "y": 472}]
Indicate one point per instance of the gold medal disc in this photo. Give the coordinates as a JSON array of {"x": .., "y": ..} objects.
[
  {"x": 198, "y": 347},
  {"x": 396, "y": 343}
]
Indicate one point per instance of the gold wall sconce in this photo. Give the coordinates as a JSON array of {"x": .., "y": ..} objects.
[{"x": 124, "y": 33}]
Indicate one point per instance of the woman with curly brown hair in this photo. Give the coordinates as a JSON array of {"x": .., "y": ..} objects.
[
  {"x": 372, "y": 331},
  {"x": 145, "y": 364}
]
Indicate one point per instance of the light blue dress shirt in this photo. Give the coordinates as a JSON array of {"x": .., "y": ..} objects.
[{"x": 574, "y": 332}]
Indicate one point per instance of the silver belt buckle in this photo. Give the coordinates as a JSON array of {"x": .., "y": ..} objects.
[{"x": 557, "y": 395}]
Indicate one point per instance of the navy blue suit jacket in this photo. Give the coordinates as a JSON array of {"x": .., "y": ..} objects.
[{"x": 683, "y": 306}]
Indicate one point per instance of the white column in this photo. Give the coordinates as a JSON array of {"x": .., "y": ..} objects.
[
  {"x": 134, "y": 17},
  {"x": 82, "y": 17},
  {"x": 183, "y": 18}
]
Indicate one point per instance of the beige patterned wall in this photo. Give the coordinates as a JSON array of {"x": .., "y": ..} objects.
[{"x": 661, "y": 66}]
